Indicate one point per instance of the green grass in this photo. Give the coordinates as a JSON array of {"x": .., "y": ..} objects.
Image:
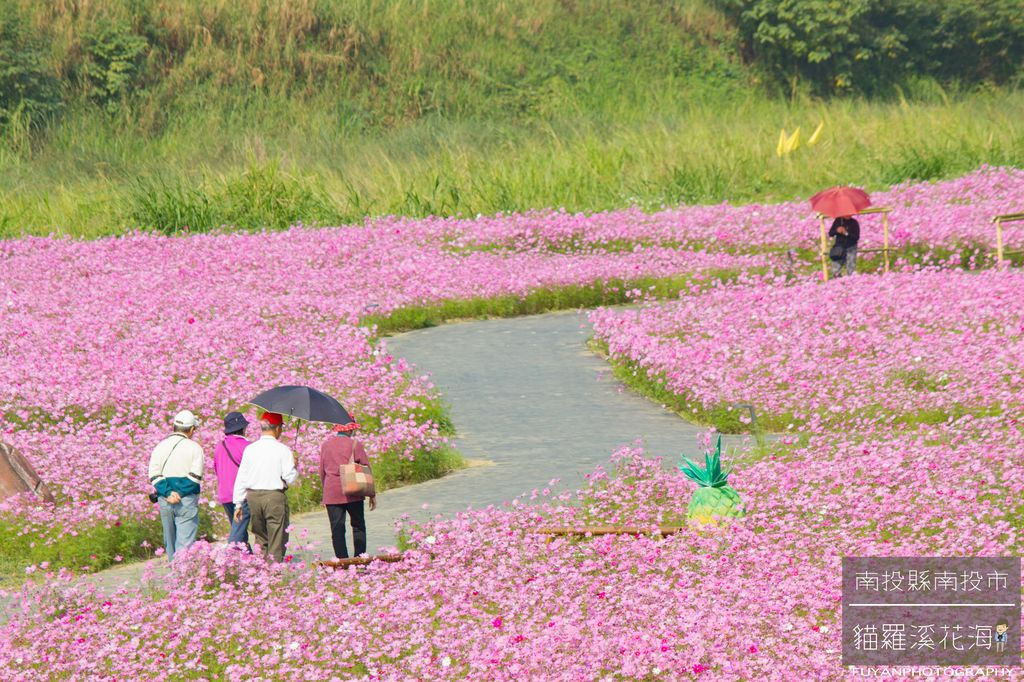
[
  {"x": 725, "y": 418},
  {"x": 272, "y": 168},
  {"x": 548, "y": 299}
]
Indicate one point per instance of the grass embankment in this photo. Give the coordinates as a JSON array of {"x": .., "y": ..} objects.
[
  {"x": 260, "y": 113},
  {"x": 545, "y": 300}
]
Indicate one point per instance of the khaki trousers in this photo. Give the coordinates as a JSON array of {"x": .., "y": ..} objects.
[{"x": 268, "y": 518}]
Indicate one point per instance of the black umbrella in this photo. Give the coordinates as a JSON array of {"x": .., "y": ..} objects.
[{"x": 303, "y": 402}]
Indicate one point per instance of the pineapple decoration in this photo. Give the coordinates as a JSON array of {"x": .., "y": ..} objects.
[{"x": 713, "y": 499}]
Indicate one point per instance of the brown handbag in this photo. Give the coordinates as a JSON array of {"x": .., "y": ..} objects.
[{"x": 357, "y": 479}]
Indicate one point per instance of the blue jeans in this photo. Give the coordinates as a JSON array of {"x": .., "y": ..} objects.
[
  {"x": 180, "y": 522},
  {"x": 239, "y": 531}
]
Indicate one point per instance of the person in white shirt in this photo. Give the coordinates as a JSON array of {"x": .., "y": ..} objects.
[
  {"x": 176, "y": 470},
  {"x": 267, "y": 468}
]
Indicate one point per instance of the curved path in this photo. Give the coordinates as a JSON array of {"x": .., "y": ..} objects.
[{"x": 527, "y": 397}]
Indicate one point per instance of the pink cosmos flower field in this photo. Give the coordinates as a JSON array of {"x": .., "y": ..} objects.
[
  {"x": 909, "y": 347},
  {"x": 103, "y": 341},
  {"x": 902, "y": 391},
  {"x": 480, "y": 597}
]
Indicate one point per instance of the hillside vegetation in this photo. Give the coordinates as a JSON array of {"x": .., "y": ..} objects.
[{"x": 258, "y": 113}]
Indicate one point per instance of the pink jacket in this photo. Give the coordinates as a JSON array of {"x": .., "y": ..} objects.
[
  {"x": 226, "y": 463},
  {"x": 335, "y": 451}
]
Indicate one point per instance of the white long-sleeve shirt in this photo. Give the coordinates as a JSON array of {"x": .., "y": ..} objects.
[{"x": 267, "y": 464}]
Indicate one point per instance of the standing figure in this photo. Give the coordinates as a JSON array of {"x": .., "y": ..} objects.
[
  {"x": 175, "y": 470},
  {"x": 227, "y": 458},
  {"x": 1001, "y": 627},
  {"x": 340, "y": 448},
  {"x": 846, "y": 231},
  {"x": 267, "y": 467}
]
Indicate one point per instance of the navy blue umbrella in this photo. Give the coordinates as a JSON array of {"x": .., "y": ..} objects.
[{"x": 303, "y": 402}]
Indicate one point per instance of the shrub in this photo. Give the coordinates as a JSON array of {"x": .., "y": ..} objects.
[
  {"x": 867, "y": 44},
  {"x": 113, "y": 60},
  {"x": 27, "y": 87}
]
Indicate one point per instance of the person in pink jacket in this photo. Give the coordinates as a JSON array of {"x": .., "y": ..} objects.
[
  {"x": 339, "y": 449},
  {"x": 227, "y": 458}
]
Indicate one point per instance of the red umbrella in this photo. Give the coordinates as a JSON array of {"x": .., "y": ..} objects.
[{"x": 840, "y": 201}]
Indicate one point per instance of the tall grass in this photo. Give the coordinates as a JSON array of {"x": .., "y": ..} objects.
[
  {"x": 259, "y": 113},
  {"x": 279, "y": 163}
]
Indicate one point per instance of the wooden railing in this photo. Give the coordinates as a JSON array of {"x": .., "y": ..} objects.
[
  {"x": 999, "y": 220},
  {"x": 884, "y": 210}
]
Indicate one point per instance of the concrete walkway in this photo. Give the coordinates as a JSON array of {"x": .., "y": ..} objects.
[{"x": 526, "y": 396}]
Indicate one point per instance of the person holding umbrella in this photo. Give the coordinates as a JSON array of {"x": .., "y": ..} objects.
[
  {"x": 340, "y": 448},
  {"x": 841, "y": 203},
  {"x": 262, "y": 481},
  {"x": 266, "y": 469},
  {"x": 846, "y": 231}
]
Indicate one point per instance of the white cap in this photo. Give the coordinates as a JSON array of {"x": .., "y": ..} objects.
[{"x": 185, "y": 419}]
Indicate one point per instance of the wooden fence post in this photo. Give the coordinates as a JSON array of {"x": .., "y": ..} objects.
[
  {"x": 999, "y": 242},
  {"x": 885, "y": 233},
  {"x": 824, "y": 250}
]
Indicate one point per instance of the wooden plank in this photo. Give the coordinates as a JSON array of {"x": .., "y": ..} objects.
[
  {"x": 18, "y": 476},
  {"x": 1008, "y": 218},
  {"x": 875, "y": 209},
  {"x": 868, "y": 210},
  {"x": 608, "y": 530},
  {"x": 361, "y": 560}
]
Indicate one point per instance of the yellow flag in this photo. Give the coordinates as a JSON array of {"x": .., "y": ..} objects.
[
  {"x": 794, "y": 140},
  {"x": 781, "y": 148},
  {"x": 816, "y": 135}
]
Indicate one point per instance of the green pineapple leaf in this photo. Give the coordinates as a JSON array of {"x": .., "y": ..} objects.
[{"x": 693, "y": 472}]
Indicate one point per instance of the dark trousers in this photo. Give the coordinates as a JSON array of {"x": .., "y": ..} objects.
[
  {"x": 336, "y": 515},
  {"x": 239, "y": 529}
]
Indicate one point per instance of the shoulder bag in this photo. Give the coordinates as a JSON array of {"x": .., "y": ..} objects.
[{"x": 357, "y": 479}]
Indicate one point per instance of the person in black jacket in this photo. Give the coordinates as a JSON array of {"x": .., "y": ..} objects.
[{"x": 846, "y": 231}]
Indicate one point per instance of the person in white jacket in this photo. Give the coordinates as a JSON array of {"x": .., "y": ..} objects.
[
  {"x": 268, "y": 466},
  {"x": 176, "y": 471}
]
